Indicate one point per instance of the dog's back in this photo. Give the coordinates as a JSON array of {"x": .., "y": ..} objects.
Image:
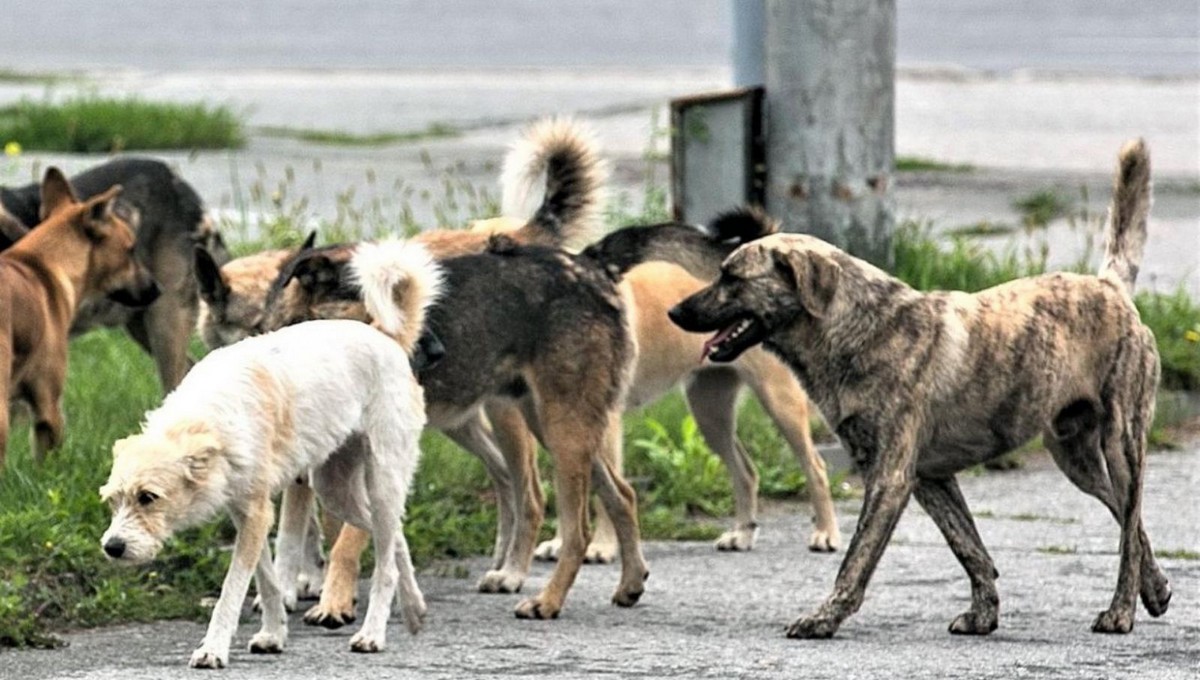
[
  {"x": 698, "y": 250},
  {"x": 305, "y": 388}
]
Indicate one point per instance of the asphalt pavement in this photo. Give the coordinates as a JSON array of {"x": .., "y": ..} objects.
[{"x": 720, "y": 615}]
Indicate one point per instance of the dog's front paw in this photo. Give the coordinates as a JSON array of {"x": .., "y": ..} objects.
[
  {"x": 973, "y": 623},
  {"x": 1111, "y": 621},
  {"x": 812, "y": 628},
  {"x": 208, "y": 659},
  {"x": 825, "y": 541},
  {"x": 329, "y": 617},
  {"x": 737, "y": 540},
  {"x": 547, "y": 551},
  {"x": 500, "y": 581},
  {"x": 364, "y": 643},
  {"x": 266, "y": 643},
  {"x": 627, "y": 597},
  {"x": 535, "y": 608}
]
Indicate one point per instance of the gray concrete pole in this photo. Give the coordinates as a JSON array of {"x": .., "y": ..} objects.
[
  {"x": 747, "y": 48},
  {"x": 830, "y": 88}
]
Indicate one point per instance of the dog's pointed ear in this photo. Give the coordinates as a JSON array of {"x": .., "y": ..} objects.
[
  {"x": 213, "y": 288},
  {"x": 315, "y": 274},
  {"x": 815, "y": 278},
  {"x": 57, "y": 193},
  {"x": 309, "y": 242},
  {"x": 98, "y": 212}
]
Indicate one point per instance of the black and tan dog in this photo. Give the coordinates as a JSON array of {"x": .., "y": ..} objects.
[
  {"x": 168, "y": 219},
  {"x": 921, "y": 386},
  {"x": 559, "y": 353},
  {"x": 234, "y": 296},
  {"x": 659, "y": 265},
  {"x": 79, "y": 254}
]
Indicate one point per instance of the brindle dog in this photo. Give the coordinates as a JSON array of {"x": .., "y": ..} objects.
[{"x": 922, "y": 386}]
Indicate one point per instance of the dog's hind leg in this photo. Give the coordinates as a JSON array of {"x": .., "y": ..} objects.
[
  {"x": 475, "y": 436},
  {"x": 169, "y": 323},
  {"x": 1104, "y": 458},
  {"x": 712, "y": 397},
  {"x": 387, "y": 491},
  {"x": 253, "y": 523},
  {"x": 292, "y": 537},
  {"x": 945, "y": 504},
  {"x": 787, "y": 404},
  {"x": 573, "y": 444},
  {"x": 45, "y": 397},
  {"x": 621, "y": 502},
  {"x": 336, "y": 606},
  {"x": 519, "y": 449},
  {"x": 887, "y": 453}
]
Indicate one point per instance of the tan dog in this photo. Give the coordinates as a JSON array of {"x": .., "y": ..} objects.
[
  {"x": 922, "y": 386},
  {"x": 81, "y": 252}
]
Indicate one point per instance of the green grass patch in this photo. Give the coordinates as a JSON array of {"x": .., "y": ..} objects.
[
  {"x": 920, "y": 164},
  {"x": 96, "y": 124},
  {"x": 982, "y": 229},
  {"x": 17, "y": 77},
  {"x": 1177, "y": 554},
  {"x": 1042, "y": 207},
  {"x": 1058, "y": 550},
  {"x": 342, "y": 138}
]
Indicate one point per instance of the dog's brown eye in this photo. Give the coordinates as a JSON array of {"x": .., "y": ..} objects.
[{"x": 146, "y": 498}]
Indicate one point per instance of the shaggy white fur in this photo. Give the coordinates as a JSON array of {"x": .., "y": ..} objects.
[{"x": 251, "y": 418}]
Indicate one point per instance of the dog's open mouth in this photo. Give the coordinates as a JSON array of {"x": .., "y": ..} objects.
[{"x": 729, "y": 343}]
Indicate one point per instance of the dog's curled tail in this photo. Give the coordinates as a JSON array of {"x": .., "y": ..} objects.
[
  {"x": 399, "y": 281},
  {"x": 1126, "y": 232},
  {"x": 564, "y": 152},
  {"x": 742, "y": 225}
]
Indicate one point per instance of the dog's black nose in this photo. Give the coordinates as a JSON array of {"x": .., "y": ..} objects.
[
  {"x": 675, "y": 314},
  {"x": 114, "y": 548}
]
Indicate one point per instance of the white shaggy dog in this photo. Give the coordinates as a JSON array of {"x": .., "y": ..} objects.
[{"x": 252, "y": 417}]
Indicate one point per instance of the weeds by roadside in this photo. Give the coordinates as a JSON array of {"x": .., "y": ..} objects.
[{"x": 92, "y": 123}]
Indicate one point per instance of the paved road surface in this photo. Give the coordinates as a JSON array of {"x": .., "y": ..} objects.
[{"x": 716, "y": 615}]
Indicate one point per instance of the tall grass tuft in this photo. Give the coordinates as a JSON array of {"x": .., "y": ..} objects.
[{"x": 96, "y": 124}]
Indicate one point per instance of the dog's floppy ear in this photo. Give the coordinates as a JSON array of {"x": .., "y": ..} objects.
[
  {"x": 814, "y": 276},
  {"x": 57, "y": 193},
  {"x": 198, "y": 448},
  {"x": 213, "y": 288}
]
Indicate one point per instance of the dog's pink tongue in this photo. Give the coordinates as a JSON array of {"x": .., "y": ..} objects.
[{"x": 714, "y": 341}]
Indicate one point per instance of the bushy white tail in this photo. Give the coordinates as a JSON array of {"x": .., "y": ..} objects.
[
  {"x": 1130, "y": 208},
  {"x": 399, "y": 281},
  {"x": 566, "y": 154}
]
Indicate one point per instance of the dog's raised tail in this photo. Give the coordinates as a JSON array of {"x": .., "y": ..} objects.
[
  {"x": 1125, "y": 238},
  {"x": 399, "y": 281},
  {"x": 565, "y": 153},
  {"x": 742, "y": 225}
]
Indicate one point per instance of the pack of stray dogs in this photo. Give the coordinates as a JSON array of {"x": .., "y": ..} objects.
[{"x": 327, "y": 363}]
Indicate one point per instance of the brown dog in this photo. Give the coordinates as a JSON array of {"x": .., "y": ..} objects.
[
  {"x": 922, "y": 386},
  {"x": 80, "y": 253}
]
